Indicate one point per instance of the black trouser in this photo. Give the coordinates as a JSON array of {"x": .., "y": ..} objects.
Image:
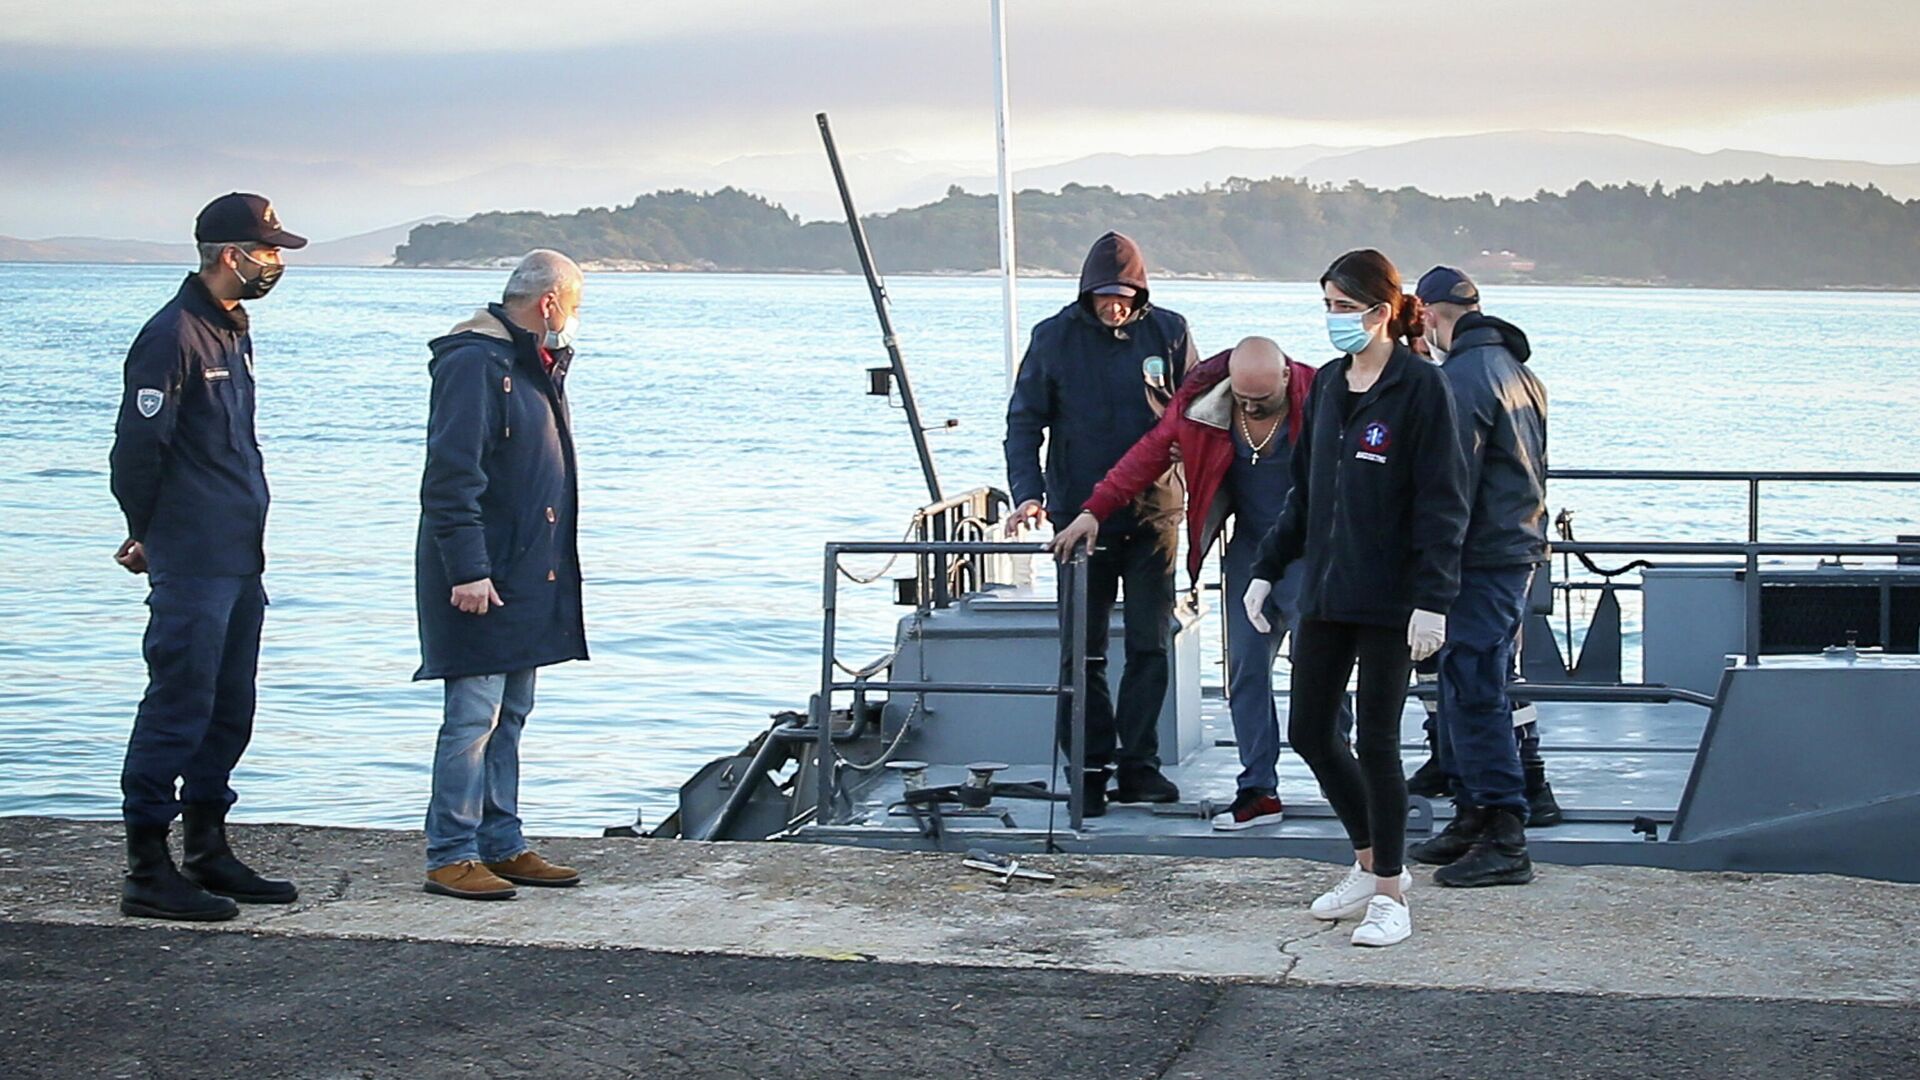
[
  {"x": 1136, "y": 562},
  {"x": 202, "y": 649},
  {"x": 1370, "y": 793}
]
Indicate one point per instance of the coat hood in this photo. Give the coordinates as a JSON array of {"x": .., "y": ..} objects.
[
  {"x": 488, "y": 322},
  {"x": 1478, "y": 328},
  {"x": 1115, "y": 260}
]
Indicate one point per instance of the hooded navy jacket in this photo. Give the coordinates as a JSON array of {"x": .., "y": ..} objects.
[
  {"x": 1093, "y": 389},
  {"x": 186, "y": 462},
  {"x": 1502, "y": 411},
  {"x": 1379, "y": 500},
  {"x": 499, "y": 500}
]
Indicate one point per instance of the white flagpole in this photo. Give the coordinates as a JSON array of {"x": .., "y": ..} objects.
[{"x": 1008, "y": 264}]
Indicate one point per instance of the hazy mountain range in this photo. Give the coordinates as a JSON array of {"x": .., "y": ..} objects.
[
  {"x": 373, "y": 248},
  {"x": 1508, "y": 164}
]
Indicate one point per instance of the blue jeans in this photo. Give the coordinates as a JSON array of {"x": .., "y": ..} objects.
[
  {"x": 203, "y": 651},
  {"x": 1250, "y": 657},
  {"x": 1475, "y": 737},
  {"x": 475, "y": 809}
]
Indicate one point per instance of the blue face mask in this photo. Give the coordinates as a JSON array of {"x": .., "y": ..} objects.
[{"x": 1348, "y": 331}]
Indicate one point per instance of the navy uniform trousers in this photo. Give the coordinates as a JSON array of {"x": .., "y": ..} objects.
[{"x": 203, "y": 650}]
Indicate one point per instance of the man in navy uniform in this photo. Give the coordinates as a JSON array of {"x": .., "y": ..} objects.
[{"x": 188, "y": 476}]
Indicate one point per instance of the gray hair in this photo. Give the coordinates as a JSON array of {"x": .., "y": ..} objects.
[
  {"x": 210, "y": 253},
  {"x": 542, "y": 271}
]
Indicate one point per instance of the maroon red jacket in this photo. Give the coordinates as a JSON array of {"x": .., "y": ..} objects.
[{"x": 1199, "y": 421}]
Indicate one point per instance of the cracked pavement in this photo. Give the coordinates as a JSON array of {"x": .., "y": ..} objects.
[{"x": 800, "y": 960}]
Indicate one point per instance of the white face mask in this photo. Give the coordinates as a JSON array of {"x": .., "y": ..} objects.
[
  {"x": 1437, "y": 354},
  {"x": 563, "y": 337}
]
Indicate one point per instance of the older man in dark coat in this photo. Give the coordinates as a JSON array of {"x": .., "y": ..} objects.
[{"x": 497, "y": 569}]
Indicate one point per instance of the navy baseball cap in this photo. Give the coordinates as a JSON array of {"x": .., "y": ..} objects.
[
  {"x": 1445, "y": 285},
  {"x": 240, "y": 218},
  {"x": 1116, "y": 290}
]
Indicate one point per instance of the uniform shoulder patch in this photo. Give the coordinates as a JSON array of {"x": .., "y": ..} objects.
[{"x": 148, "y": 400}]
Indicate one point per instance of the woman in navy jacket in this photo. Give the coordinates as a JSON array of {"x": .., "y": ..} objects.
[{"x": 1377, "y": 514}]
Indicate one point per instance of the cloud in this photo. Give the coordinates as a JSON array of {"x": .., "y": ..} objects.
[{"x": 116, "y": 105}]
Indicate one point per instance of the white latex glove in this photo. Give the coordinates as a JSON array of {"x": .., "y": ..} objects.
[
  {"x": 1258, "y": 590},
  {"x": 1426, "y": 632}
]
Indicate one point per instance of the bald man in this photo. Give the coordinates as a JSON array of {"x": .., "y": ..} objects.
[{"x": 1234, "y": 422}]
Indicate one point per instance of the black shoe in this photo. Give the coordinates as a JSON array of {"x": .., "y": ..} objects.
[
  {"x": 1144, "y": 784},
  {"x": 1429, "y": 780},
  {"x": 155, "y": 889},
  {"x": 209, "y": 863},
  {"x": 1543, "y": 812},
  {"x": 1500, "y": 858},
  {"x": 1093, "y": 794},
  {"x": 1453, "y": 841}
]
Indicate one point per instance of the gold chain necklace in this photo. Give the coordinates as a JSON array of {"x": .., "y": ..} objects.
[{"x": 1258, "y": 447}]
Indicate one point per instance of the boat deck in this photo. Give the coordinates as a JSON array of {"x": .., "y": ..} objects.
[{"x": 1609, "y": 765}]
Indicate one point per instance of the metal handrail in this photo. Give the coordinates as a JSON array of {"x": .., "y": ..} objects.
[
  {"x": 1752, "y": 478},
  {"x": 1751, "y": 552},
  {"x": 1073, "y": 596},
  {"x": 941, "y": 522}
]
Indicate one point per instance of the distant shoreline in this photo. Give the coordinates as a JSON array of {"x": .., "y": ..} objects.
[{"x": 594, "y": 267}]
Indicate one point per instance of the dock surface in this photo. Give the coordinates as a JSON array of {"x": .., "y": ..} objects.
[{"x": 791, "y": 960}]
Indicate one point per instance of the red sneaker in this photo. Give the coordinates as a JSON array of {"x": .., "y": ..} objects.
[{"x": 1249, "y": 808}]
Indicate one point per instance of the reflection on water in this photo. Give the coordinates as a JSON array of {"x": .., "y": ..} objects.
[{"x": 724, "y": 436}]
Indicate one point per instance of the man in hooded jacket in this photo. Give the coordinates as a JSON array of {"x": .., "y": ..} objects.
[
  {"x": 1095, "y": 379},
  {"x": 1502, "y": 417},
  {"x": 497, "y": 567}
]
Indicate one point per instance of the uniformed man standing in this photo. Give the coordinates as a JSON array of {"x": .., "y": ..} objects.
[{"x": 188, "y": 475}]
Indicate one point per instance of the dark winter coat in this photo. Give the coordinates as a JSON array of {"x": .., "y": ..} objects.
[
  {"x": 1379, "y": 500},
  {"x": 186, "y": 463},
  {"x": 1502, "y": 411},
  {"x": 1093, "y": 390},
  {"x": 499, "y": 500}
]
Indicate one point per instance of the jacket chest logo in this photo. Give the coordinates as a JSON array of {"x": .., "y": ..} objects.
[{"x": 1375, "y": 438}]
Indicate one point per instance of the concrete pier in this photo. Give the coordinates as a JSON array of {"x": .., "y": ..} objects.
[{"x": 799, "y": 960}]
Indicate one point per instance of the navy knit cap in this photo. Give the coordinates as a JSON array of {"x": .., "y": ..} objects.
[{"x": 1445, "y": 285}]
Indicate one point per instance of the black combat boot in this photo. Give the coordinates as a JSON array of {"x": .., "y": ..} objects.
[
  {"x": 155, "y": 889},
  {"x": 211, "y": 864},
  {"x": 1500, "y": 858},
  {"x": 1543, "y": 811},
  {"x": 1093, "y": 793},
  {"x": 1143, "y": 784},
  {"x": 1453, "y": 841},
  {"x": 1429, "y": 780}
]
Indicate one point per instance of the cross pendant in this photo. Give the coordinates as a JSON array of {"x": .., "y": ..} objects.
[{"x": 1256, "y": 457}]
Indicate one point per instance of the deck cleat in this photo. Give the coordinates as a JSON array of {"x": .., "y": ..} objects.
[
  {"x": 912, "y": 774},
  {"x": 978, "y": 790}
]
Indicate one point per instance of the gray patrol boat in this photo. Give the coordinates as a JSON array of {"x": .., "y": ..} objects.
[{"x": 1776, "y": 725}]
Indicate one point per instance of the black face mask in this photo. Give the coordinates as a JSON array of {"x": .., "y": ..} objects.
[{"x": 262, "y": 283}]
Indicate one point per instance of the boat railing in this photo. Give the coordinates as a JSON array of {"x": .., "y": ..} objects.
[
  {"x": 941, "y": 554},
  {"x": 1752, "y": 478},
  {"x": 942, "y": 575},
  {"x": 1751, "y": 553}
]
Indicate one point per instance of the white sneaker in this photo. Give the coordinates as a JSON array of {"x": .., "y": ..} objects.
[
  {"x": 1350, "y": 897},
  {"x": 1388, "y": 922}
]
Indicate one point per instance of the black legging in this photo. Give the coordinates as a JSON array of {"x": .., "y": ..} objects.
[{"x": 1370, "y": 794}]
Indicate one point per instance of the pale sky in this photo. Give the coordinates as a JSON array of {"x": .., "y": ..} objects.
[{"x": 116, "y": 114}]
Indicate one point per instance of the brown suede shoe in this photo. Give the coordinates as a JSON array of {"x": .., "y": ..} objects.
[
  {"x": 528, "y": 868},
  {"x": 469, "y": 881}
]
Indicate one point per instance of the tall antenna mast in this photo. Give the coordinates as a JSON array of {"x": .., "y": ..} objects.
[{"x": 1010, "y": 312}]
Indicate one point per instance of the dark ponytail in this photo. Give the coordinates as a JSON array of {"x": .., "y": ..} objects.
[{"x": 1371, "y": 278}]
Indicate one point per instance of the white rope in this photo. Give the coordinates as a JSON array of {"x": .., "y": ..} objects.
[{"x": 859, "y": 579}]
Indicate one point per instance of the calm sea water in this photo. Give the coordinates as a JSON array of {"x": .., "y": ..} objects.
[{"x": 724, "y": 436}]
